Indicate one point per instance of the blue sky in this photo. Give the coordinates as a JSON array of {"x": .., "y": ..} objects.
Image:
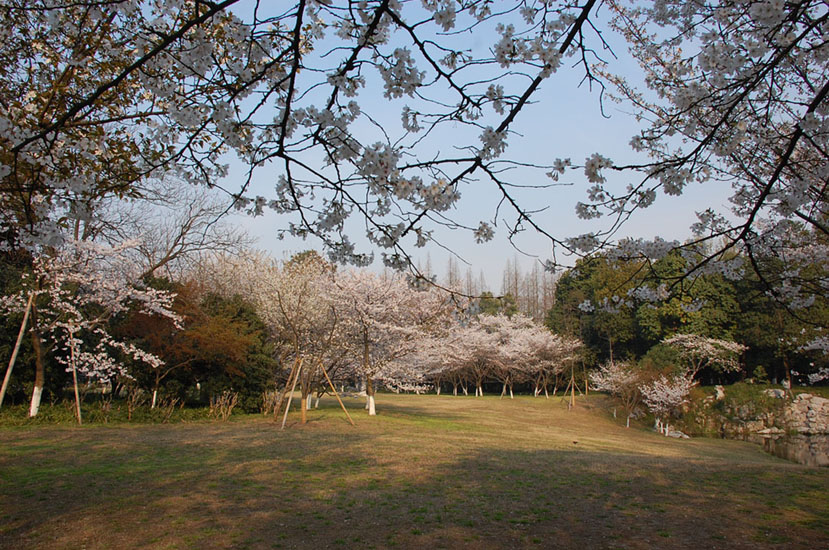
[{"x": 565, "y": 121}]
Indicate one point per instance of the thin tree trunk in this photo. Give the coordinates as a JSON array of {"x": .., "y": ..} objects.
[
  {"x": 370, "y": 397},
  {"x": 303, "y": 406},
  {"x": 16, "y": 349},
  {"x": 155, "y": 389},
  {"x": 40, "y": 370}
]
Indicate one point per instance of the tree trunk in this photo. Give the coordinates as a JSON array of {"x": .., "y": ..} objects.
[
  {"x": 155, "y": 389},
  {"x": 503, "y": 390},
  {"x": 303, "y": 403},
  {"x": 40, "y": 370},
  {"x": 511, "y": 396},
  {"x": 370, "y": 397}
]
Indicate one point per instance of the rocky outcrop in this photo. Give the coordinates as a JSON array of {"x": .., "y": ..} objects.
[
  {"x": 808, "y": 415},
  {"x": 795, "y": 429}
]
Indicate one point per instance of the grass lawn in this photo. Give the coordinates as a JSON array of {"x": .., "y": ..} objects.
[{"x": 427, "y": 472}]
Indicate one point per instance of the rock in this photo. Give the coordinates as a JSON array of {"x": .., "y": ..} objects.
[
  {"x": 720, "y": 392},
  {"x": 677, "y": 434},
  {"x": 776, "y": 393},
  {"x": 774, "y": 430}
]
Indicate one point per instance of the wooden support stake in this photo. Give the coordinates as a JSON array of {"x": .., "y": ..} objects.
[
  {"x": 337, "y": 395},
  {"x": 16, "y": 349},
  {"x": 291, "y": 395},
  {"x": 75, "y": 375},
  {"x": 284, "y": 393},
  {"x": 573, "y": 387}
]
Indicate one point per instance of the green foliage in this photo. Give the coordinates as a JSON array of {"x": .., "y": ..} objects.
[
  {"x": 760, "y": 374},
  {"x": 492, "y": 305},
  {"x": 707, "y": 304},
  {"x": 748, "y": 400},
  {"x": 222, "y": 346},
  {"x": 249, "y": 373},
  {"x": 604, "y": 332},
  {"x": 101, "y": 412},
  {"x": 661, "y": 359}
]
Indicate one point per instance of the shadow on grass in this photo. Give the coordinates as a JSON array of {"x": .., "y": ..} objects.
[{"x": 325, "y": 485}]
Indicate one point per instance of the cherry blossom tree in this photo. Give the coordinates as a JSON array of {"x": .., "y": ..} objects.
[
  {"x": 664, "y": 396},
  {"x": 737, "y": 94},
  {"x": 549, "y": 356},
  {"x": 98, "y": 96},
  {"x": 385, "y": 319},
  {"x": 77, "y": 290},
  {"x": 621, "y": 380},
  {"x": 700, "y": 352},
  {"x": 470, "y": 356},
  {"x": 293, "y": 300}
]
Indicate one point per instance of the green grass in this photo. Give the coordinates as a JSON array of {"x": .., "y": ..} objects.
[{"x": 427, "y": 472}]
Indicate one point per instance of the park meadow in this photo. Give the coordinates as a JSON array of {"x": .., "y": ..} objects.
[{"x": 426, "y": 472}]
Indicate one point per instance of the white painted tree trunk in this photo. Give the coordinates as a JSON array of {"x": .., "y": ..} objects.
[
  {"x": 546, "y": 393},
  {"x": 627, "y": 423},
  {"x": 437, "y": 389},
  {"x": 511, "y": 396},
  {"x": 503, "y": 390},
  {"x": 33, "y": 408},
  {"x": 371, "y": 409},
  {"x": 155, "y": 398},
  {"x": 368, "y": 400},
  {"x": 308, "y": 402},
  {"x": 317, "y": 403}
]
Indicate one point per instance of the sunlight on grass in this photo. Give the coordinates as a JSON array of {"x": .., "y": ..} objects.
[{"x": 428, "y": 471}]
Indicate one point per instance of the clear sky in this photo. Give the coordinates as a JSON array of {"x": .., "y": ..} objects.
[{"x": 564, "y": 122}]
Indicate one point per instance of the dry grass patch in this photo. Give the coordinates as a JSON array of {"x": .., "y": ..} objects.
[{"x": 428, "y": 471}]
